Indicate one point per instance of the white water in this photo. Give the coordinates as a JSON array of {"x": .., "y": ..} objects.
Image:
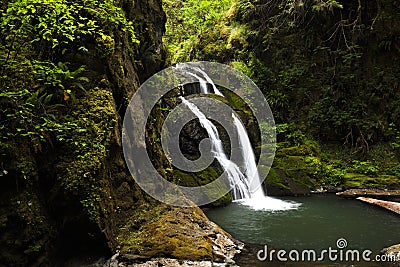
[
  {"x": 238, "y": 182},
  {"x": 203, "y": 83},
  {"x": 246, "y": 185},
  {"x": 210, "y": 81},
  {"x": 267, "y": 203},
  {"x": 250, "y": 167}
]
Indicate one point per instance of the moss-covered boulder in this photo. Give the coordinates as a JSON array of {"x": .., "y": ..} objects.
[
  {"x": 293, "y": 172},
  {"x": 182, "y": 233}
]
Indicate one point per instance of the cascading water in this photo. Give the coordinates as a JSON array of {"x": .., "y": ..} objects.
[
  {"x": 250, "y": 167},
  {"x": 238, "y": 181},
  {"x": 209, "y": 80},
  {"x": 246, "y": 184},
  {"x": 203, "y": 83}
]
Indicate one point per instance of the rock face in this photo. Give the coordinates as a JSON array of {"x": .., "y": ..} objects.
[
  {"x": 76, "y": 196},
  {"x": 389, "y": 205},
  {"x": 292, "y": 172}
]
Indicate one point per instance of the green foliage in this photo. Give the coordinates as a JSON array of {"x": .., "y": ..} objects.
[
  {"x": 332, "y": 175},
  {"x": 87, "y": 134},
  {"x": 329, "y": 5},
  {"x": 187, "y": 20},
  {"x": 32, "y": 110},
  {"x": 393, "y": 130},
  {"x": 52, "y": 24},
  {"x": 290, "y": 134},
  {"x": 49, "y": 99},
  {"x": 364, "y": 167},
  {"x": 36, "y": 87}
]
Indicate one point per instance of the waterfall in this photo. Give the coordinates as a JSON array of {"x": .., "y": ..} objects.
[
  {"x": 209, "y": 80},
  {"x": 238, "y": 182},
  {"x": 250, "y": 171},
  {"x": 245, "y": 182},
  {"x": 250, "y": 166},
  {"x": 203, "y": 83}
]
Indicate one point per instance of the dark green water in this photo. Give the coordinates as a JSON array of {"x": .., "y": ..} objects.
[{"x": 317, "y": 224}]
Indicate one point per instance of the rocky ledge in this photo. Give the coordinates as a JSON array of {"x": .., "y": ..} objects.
[
  {"x": 354, "y": 193},
  {"x": 181, "y": 233},
  {"x": 392, "y": 253},
  {"x": 161, "y": 262},
  {"x": 389, "y": 205}
]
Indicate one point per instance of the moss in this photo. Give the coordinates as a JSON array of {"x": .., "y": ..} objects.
[
  {"x": 356, "y": 180},
  {"x": 237, "y": 38},
  {"x": 208, "y": 175},
  {"x": 82, "y": 168},
  {"x": 274, "y": 179},
  {"x": 202, "y": 178},
  {"x": 223, "y": 201},
  {"x": 302, "y": 150},
  {"x": 237, "y": 103},
  {"x": 178, "y": 233},
  {"x": 184, "y": 178},
  {"x": 294, "y": 171},
  {"x": 241, "y": 66},
  {"x": 105, "y": 46},
  {"x": 390, "y": 181}
]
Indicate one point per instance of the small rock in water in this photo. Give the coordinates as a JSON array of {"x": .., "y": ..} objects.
[{"x": 393, "y": 253}]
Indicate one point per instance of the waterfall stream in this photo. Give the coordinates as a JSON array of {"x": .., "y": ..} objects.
[
  {"x": 243, "y": 177},
  {"x": 238, "y": 182},
  {"x": 250, "y": 166}
]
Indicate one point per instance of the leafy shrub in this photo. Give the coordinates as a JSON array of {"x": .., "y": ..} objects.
[
  {"x": 332, "y": 175},
  {"x": 36, "y": 82},
  {"x": 290, "y": 133},
  {"x": 364, "y": 167}
]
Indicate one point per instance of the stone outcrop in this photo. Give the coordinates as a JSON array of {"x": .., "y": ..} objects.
[
  {"x": 353, "y": 193},
  {"x": 389, "y": 205},
  {"x": 392, "y": 253},
  {"x": 181, "y": 233}
]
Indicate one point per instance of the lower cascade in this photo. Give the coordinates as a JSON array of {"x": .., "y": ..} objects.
[{"x": 243, "y": 177}]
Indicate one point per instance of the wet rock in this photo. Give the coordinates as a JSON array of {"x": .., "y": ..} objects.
[
  {"x": 181, "y": 233},
  {"x": 354, "y": 193},
  {"x": 393, "y": 254},
  {"x": 225, "y": 249},
  {"x": 167, "y": 262},
  {"x": 292, "y": 172},
  {"x": 389, "y": 205}
]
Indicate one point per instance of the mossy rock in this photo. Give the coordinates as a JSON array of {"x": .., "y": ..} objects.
[
  {"x": 276, "y": 184},
  {"x": 184, "y": 178},
  {"x": 202, "y": 178},
  {"x": 181, "y": 233},
  {"x": 356, "y": 180},
  {"x": 390, "y": 181},
  {"x": 280, "y": 184},
  {"x": 392, "y": 251},
  {"x": 291, "y": 175},
  {"x": 302, "y": 150}
]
